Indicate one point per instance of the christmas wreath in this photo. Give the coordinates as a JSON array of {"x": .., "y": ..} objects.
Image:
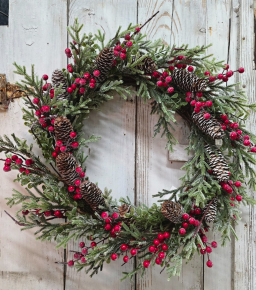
[{"x": 176, "y": 79}]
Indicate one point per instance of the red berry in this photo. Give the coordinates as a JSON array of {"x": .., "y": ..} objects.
[
  {"x": 226, "y": 122},
  {"x": 233, "y": 135},
  {"x": 247, "y": 142},
  {"x": 115, "y": 215},
  {"x": 6, "y": 168},
  {"x": 51, "y": 129},
  {"x": 57, "y": 213},
  {"x": 197, "y": 110},
  {"x": 208, "y": 103},
  {"x": 239, "y": 132},
  {"x": 45, "y": 77},
  {"x": 182, "y": 231},
  {"x": 168, "y": 79},
  {"x": 203, "y": 251},
  {"x": 164, "y": 247},
  {"x": 208, "y": 250},
  {"x": 156, "y": 242},
  {"x": 204, "y": 239},
  {"x": 212, "y": 79},
  {"x": 35, "y": 101},
  {"x": 92, "y": 85},
  {"x": 190, "y": 68},
  {"x": 185, "y": 216},
  {"x": 239, "y": 197},
  {"x": 127, "y": 37},
  {"x": 70, "y": 90},
  {"x": 179, "y": 66},
  {"x": 25, "y": 212},
  {"x": 193, "y": 103},
  {"x": 226, "y": 66},
  {"x": 96, "y": 73},
  {"x": 108, "y": 220},
  {"x": 63, "y": 148},
  {"x": 118, "y": 47},
  {"x": 129, "y": 43},
  {"x": 171, "y": 68},
  {"x": 209, "y": 264},
  {"x": 146, "y": 264},
  {"x": 185, "y": 225},
  {"x": 198, "y": 104},
  {"x": 137, "y": 29},
  {"x": 126, "y": 259},
  {"x": 27, "y": 171},
  {"x": 220, "y": 76},
  {"x": 77, "y": 196},
  {"x": 18, "y": 161},
  {"x": 191, "y": 221},
  {"x": 8, "y": 161},
  {"x": 71, "y": 188},
  {"x": 81, "y": 244},
  {"x": 38, "y": 113},
  {"x": 82, "y": 174},
  {"x": 14, "y": 157},
  {"x": 122, "y": 55},
  {"x": 207, "y": 116},
  {"x": 207, "y": 73},
  {"x": 93, "y": 244},
  {"x": 229, "y": 73},
  {"x": 70, "y": 263},
  {"x": 77, "y": 182},
  {"x": 241, "y": 70},
  {"x": 158, "y": 261},
  {"x": 246, "y": 137},
  {"x": 180, "y": 57},
  {"x": 224, "y": 127},
  {"x": 235, "y": 126},
  {"x": 123, "y": 247},
  {"x": 238, "y": 183},
  {"x": 84, "y": 251},
  {"x": 114, "y": 257},
  {"x": 83, "y": 260},
  {"x": 54, "y": 154},
  {"x": 75, "y": 145},
  {"x": 225, "y": 79},
  {"x": 117, "y": 228},
  {"x": 170, "y": 90},
  {"x": 161, "y": 255},
  {"x": 188, "y": 99},
  {"x": 214, "y": 244},
  {"x": 70, "y": 69},
  {"x": 197, "y": 211},
  {"x": 104, "y": 215},
  {"x": 166, "y": 235},
  {"x": 224, "y": 117},
  {"x": 133, "y": 252},
  {"x": 151, "y": 249},
  {"x": 107, "y": 227},
  {"x": 160, "y": 236}
]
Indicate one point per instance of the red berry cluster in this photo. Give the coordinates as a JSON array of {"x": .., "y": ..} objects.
[
  {"x": 229, "y": 188},
  {"x": 180, "y": 62},
  {"x": 76, "y": 189},
  {"x": 236, "y": 133},
  {"x": 48, "y": 213},
  {"x": 81, "y": 84},
  {"x": 189, "y": 220},
  {"x": 207, "y": 248},
  {"x": 163, "y": 80},
  {"x": 15, "y": 160},
  {"x": 68, "y": 52},
  {"x": 61, "y": 147},
  {"x": 111, "y": 224}
]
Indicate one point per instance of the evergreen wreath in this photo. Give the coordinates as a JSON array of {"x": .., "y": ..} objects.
[{"x": 181, "y": 80}]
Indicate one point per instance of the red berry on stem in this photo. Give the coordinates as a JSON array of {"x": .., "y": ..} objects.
[
  {"x": 35, "y": 101},
  {"x": 77, "y": 196},
  {"x": 123, "y": 247},
  {"x": 93, "y": 244},
  {"x": 166, "y": 235},
  {"x": 208, "y": 103},
  {"x": 77, "y": 182},
  {"x": 226, "y": 67},
  {"x": 193, "y": 103},
  {"x": 185, "y": 225},
  {"x": 170, "y": 90},
  {"x": 156, "y": 242},
  {"x": 115, "y": 215},
  {"x": 27, "y": 171},
  {"x": 164, "y": 247},
  {"x": 71, "y": 188},
  {"x": 81, "y": 244},
  {"x": 14, "y": 157},
  {"x": 160, "y": 236},
  {"x": 238, "y": 183},
  {"x": 146, "y": 264},
  {"x": 191, "y": 221},
  {"x": 129, "y": 43},
  {"x": 69, "y": 90},
  {"x": 104, "y": 215},
  {"x": 96, "y": 73},
  {"x": 207, "y": 73},
  {"x": 229, "y": 73},
  {"x": 161, "y": 255},
  {"x": 204, "y": 239},
  {"x": 63, "y": 148},
  {"x": 45, "y": 77},
  {"x": 47, "y": 213},
  {"x": 182, "y": 231},
  {"x": 168, "y": 80},
  {"x": 82, "y": 174},
  {"x": 185, "y": 216},
  {"x": 122, "y": 55},
  {"x": 188, "y": 99},
  {"x": 239, "y": 197},
  {"x": 6, "y": 168},
  {"x": 25, "y": 212},
  {"x": 220, "y": 76},
  {"x": 51, "y": 129},
  {"x": 8, "y": 161},
  {"x": 107, "y": 227},
  {"x": 114, "y": 257},
  {"x": 54, "y": 154},
  {"x": 84, "y": 251},
  {"x": 247, "y": 142},
  {"x": 241, "y": 70},
  {"x": 158, "y": 261},
  {"x": 151, "y": 249},
  {"x": 208, "y": 250},
  {"x": 127, "y": 37},
  {"x": 133, "y": 252},
  {"x": 18, "y": 161},
  {"x": 197, "y": 211},
  {"x": 79, "y": 169},
  {"x": 214, "y": 244},
  {"x": 126, "y": 259},
  {"x": 233, "y": 135},
  {"x": 203, "y": 251},
  {"x": 117, "y": 228},
  {"x": 75, "y": 145},
  {"x": 212, "y": 79},
  {"x": 209, "y": 264},
  {"x": 197, "y": 109},
  {"x": 70, "y": 263},
  {"x": 190, "y": 68},
  {"x": 83, "y": 260},
  {"x": 225, "y": 79},
  {"x": 207, "y": 116}
]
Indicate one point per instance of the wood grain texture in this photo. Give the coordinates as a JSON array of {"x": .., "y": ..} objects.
[
  {"x": 30, "y": 38},
  {"x": 244, "y": 249},
  {"x": 111, "y": 161}
]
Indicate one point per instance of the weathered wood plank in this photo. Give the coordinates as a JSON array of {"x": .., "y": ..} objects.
[
  {"x": 175, "y": 25},
  {"x": 30, "y": 38},
  {"x": 111, "y": 160},
  {"x": 244, "y": 250},
  {"x": 217, "y": 33}
]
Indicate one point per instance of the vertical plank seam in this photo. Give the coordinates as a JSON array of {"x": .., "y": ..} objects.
[
  {"x": 135, "y": 154},
  {"x": 65, "y": 250}
]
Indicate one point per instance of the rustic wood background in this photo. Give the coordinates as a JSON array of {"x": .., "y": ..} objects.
[{"x": 127, "y": 159}]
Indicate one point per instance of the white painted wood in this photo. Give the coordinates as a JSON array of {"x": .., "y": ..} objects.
[
  {"x": 179, "y": 153},
  {"x": 244, "y": 249},
  {"x": 111, "y": 161},
  {"x": 36, "y": 34}
]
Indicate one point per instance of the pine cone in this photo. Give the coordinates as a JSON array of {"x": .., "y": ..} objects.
[
  {"x": 62, "y": 129},
  {"x": 218, "y": 164},
  {"x": 148, "y": 65},
  {"x": 210, "y": 127},
  {"x": 58, "y": 79},
  {"x": 92, "y": 195},
  {"x": 212, "y": 211},
  {"x": 173, "y": 211},
  {"x": 123, "y": 209},
  {"x": 104, "y": 63},
  {"x": 188, "y": 81},
  {"x": 66, "y": 164}
]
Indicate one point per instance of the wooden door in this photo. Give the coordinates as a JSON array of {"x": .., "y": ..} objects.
[{"x": 127, "y": 159}]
